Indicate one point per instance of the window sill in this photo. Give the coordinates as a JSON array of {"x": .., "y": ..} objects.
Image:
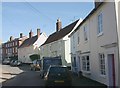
[
  {"x": 86, "y": 72},
  {"x": 100, "y": 34},
  {"x": 103, "y": 76},
  {"x": 85, "y": 41}
]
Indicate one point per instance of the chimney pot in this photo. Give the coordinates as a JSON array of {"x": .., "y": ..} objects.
[
  {"x": 30, "y": 34},
  {"x": 58, "y": 25},
  {"x": 11, "y": 38},
  {"x": 38, "y": 32},
  {"x": 21, "y": 35}
]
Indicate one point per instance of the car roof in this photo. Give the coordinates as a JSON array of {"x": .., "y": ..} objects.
[{"x": 58, "y": 66}]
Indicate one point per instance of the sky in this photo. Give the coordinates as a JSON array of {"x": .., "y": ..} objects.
[{"x": 21, "y": 17}]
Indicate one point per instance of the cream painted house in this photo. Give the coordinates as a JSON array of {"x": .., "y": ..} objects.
[
  {"x": 94, "y": 44},
  {"x": 58, "y": 43},
  {"x": 31, "y": 46}
]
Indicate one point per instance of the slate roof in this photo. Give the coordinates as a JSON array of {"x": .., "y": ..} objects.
[
  {"x": 29, "y": 41},
  {"x": 60, "y": 34}
]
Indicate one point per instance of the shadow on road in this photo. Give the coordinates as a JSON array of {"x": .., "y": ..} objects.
[
  {"x": 28, "y": 78},
  {"x": 24, "y": 67}
]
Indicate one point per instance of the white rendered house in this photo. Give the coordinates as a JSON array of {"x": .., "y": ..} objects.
[
  {"x": 58, "y": 43},
  {"x": 31, "y": 46},
  {"x": 95, "y": 47}
]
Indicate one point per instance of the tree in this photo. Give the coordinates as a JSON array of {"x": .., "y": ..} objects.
[{"x": 34, "y": 57}]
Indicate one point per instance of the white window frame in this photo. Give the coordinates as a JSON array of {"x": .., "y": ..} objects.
[
  {"x": 13, "y": 43},
  {"x": 6, "y": 51},
  {"x": 102, "y": 64},
  {"x": 16, "y": 43},
  {"x": 85, "y": 65},
  {"x": 16, "y": 49},
  {"x": 13, "y": 50},
  {"x": 85, "y": 33},
  {"x": 78, "y": 38},
  {"x": 100, "y": 24}
]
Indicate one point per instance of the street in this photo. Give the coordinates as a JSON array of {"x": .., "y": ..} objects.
[{"x": 23, "y": 76}]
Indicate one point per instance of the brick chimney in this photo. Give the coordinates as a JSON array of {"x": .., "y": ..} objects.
[
  {"x": 58, "y": 25},
  {"x": 11, "y": 38},
  {"x": 30, "y": 34},
  {"x": 21, "y": 35},
  {"x": 38, "y": 32}
]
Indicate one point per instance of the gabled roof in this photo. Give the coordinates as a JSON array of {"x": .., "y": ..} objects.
[
  {"x": 60, "y": 34},
  {"x": 29, "y": 41}
]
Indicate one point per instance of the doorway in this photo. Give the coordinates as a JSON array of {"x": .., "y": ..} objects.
[{"x": 111, "y": 70}]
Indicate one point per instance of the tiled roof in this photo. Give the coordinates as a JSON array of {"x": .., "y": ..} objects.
[
  {"x": 29, "y": 41},
  {"x": 60, "y": 34}
]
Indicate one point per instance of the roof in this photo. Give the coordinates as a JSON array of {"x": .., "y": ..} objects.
[
  {"x": 88, "y": 16},
  {"x": 29, "y": 41},
  {"x": 60, "y": 34}
]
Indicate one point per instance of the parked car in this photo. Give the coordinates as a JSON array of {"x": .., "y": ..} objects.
[
  {"x": 15, "y": 63},
  {"x": 58, "y": 76},
  {"x": 6, "y": 61},
  {"x": 36, "y": 64}
]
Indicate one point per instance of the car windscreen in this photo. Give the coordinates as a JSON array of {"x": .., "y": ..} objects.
[{"x": 57, "y": 70}]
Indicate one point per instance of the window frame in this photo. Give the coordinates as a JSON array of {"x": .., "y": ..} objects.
[
  {"x": 85, "y": 65},
  {"x": 100, "y": 24},
  {"x": 85, "y": 30},
  {"x": 102, "y": 64}
]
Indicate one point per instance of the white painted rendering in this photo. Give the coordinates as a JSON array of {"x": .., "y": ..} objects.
[
  {"x": 106, "y": 43},
  {"x": 60, "y": 47},
  {"x": 117, "y": 9},
  {"x": 25, "y": 52}
]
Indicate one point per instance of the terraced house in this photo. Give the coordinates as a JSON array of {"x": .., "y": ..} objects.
[
  {"x": 31, "y": 46},
  {"x": 95, "y": 44},
  {"x": 58, "y": 43},
  {"x": 10, "y": 48}
]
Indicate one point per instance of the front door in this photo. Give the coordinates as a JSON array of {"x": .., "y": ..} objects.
[{"x": 111, "y": 70}]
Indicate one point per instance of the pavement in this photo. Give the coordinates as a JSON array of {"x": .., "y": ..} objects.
[
  {"x": 7, "y": 72},
  {"x": 82, "y": 81}
]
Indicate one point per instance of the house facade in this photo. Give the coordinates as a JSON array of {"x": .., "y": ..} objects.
[
  {"x": 58, "y": 43},
  {"x": 94, "y": 45},
  {"x": 10, "y": 48},
  {"x": 31, "y": 46}
]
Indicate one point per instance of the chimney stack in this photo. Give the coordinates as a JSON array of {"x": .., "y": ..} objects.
[
  {"x": 30, "y": 34},
  {"x": 21, "y": 35},
  {"x": 38, "y": 32},
  {"x": 11, "y": 38},
  {"x": 58, "y": 25},
  {"x": 97, "y": 2}
]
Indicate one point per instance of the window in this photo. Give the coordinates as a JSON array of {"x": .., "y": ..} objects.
[
  {"x": 85, "y": 63},
  {"x": 6, "y": 51},
  {"x": 74, "y": 62},
  {"x": 78, "y": 38},
  {"x": 16, "y": 43},
  {"x": 85, "y": 33},
  {"x": 13, "y": 43},
  {"x": 13, "y": 50},
  {"x": 16, "y": 49},
  {"x": 100, "y": 24},
  {"x": 102, "y": 64},
  {"x": 6, "y": 45}
]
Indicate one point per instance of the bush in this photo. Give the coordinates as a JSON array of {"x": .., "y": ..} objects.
[{"x": 34, "y": 57}]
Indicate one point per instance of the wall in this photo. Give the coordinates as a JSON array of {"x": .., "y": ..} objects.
[
  {"x": 24, "y": 53},
  {"x": 99, "y": 43}
]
